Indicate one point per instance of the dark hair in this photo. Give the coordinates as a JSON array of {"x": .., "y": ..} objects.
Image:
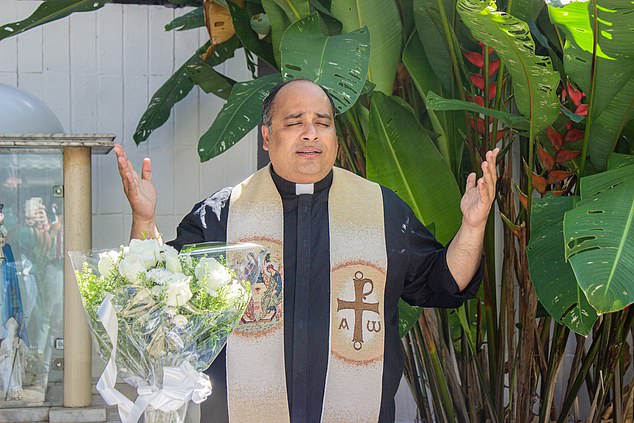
[{"x": 267, "y": 105}]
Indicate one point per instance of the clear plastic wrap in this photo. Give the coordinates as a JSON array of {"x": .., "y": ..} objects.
[{"x": 169, "y": 315}]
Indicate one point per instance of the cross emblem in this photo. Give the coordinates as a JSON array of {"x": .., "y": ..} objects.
[{"x": 359, "y": 306}]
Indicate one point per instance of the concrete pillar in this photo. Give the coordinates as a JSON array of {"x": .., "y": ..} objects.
[{"x": 77, "y": 236}]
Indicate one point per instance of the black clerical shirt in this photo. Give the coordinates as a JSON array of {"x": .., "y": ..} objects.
[{"x": 416, "y": 271}]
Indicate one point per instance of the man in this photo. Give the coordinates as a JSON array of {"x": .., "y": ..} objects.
[{"x": 347, "y": 250}]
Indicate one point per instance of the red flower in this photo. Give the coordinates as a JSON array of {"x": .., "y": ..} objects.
[
  {"x": 494, "y": 65},
  {"x": 479, "y": 100},
  {"x": 475, "y": 58},
  {"x": 557, "y": 176},
  {"x": 478, "y": 81},
  {"x": 539, "y": 182},
  {"x": 573, "y": 134},
  {"x": 575, "y": 94},
  {"x": 582, "y": 110},
  {"x": 565, "y": 155},
  {"x": 547, "y": 160},
  {"x": 555, "y": 138}
]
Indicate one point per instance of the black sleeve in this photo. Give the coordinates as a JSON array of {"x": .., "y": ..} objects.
[
  {"x": 428, "y": 281},
  {"x": 207, "y": 221}
]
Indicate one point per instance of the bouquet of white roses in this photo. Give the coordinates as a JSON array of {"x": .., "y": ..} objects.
[{"x": 161, "y": 317}]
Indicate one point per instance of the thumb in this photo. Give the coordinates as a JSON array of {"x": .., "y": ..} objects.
[
  {"x": 471, "y": 181},
  {"x": 146, "y": 170}
]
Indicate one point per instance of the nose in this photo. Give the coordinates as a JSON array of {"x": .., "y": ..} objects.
[{"x": 310, "y": 132}]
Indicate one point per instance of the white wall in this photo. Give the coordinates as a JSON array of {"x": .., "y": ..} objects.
[{"x": 97, "y": 71}]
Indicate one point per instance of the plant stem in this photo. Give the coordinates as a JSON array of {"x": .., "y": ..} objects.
[{"x": 593, "y": 77}]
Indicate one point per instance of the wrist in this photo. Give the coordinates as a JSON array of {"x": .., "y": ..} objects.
[{"x": 473, "y": 229}]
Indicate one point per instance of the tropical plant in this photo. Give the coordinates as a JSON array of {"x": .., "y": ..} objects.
[{"x": 423, "y": 89}]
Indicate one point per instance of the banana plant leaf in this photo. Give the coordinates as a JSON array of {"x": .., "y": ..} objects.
[
  {"x": 554, "y": 281},
  {"x": 612, "y": 97},
  {"x": 599, "y": 239},
  {"x": 238, "y": 116},
  {"x": 534, "y": 80},
  {"x": 617, "y": 160},
  {"x": 384, "y": 23},
  {"x": 402, "y": 157},
  {"x": 203, "y": 74},
  {"x": 279, "y": 23},
  {"x": 190, "y": 20},
  {"x": 294, "y": 9},
  {"x": 526, "y": 10},
  {"x": 180, "y": 84},
  {"x": 329, "y": 22},
  {"x": 248, "y": 37},
  {"x": 338, "y": 63},
  {"x": 429, "y": 27},
  {"x": 435, "y": 102},
  {"x": 50, "y": 11},
  {"x": 407, "y": 316}
]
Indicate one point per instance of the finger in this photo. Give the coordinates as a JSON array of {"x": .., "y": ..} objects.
[
  {"x": 471, "y": 181},
  {"x": 146, "y": 170}
]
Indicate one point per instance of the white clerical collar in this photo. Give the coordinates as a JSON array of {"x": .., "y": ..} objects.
[{"x": 304, "y": 189}]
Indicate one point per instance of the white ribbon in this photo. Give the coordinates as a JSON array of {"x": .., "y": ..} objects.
[{"x": 180, "y": 384}]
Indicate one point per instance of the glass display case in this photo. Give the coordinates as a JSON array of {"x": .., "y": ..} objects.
[
  {"x": 32, "y": 276},
  {"x": 35, "y": 174}
]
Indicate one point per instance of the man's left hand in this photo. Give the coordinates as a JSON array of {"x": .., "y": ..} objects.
[{"x": 478, "y": 197}]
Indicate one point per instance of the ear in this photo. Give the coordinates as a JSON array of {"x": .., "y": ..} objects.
[{"x": 265, "y": 138}]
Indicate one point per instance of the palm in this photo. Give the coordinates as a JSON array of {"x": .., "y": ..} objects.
[
  {"x": 479, "y": 195},
  {"x": 143, "y": 202},
  {"x": 474, "y": 211},
  {"x": 139, "y": 190}
]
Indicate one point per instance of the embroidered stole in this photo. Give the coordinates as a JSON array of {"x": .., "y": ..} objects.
[{"x": 256, "y": 374}]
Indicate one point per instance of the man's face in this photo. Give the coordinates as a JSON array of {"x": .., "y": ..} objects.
[{"x": 302, "y": 140}]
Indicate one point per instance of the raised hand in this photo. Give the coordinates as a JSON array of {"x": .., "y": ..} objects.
[
  {"x": 478, "y": 197},
  {"x": 140, "y": 191}
]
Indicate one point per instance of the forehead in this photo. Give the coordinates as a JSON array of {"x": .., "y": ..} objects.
[{"x": 301, "y": 97}]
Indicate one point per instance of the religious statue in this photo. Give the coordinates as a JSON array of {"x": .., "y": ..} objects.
[{"x": 12, "y": 351}]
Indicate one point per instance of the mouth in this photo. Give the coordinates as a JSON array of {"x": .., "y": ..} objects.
[{"x": 308, "y": 152}]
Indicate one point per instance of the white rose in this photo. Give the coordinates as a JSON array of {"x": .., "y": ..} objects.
[
  {"x": 131, "y": 266},
  {"x": 159, "y": 276},
  {"x": 177, "y": 290},
  {"x": 172, "y": 263},
  {"x": 212, "y": 274},
  {"x": 107, "y": 262},
  {"x": 147, "y": 249}
]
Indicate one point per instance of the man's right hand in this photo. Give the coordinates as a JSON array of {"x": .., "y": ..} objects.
[{"x": 140, "y": 191}]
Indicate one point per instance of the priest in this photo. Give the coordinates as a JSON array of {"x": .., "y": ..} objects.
[{"x": 321, "y": 341}]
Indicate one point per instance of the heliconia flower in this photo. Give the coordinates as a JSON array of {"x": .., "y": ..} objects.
[
  {"x": 494, "y": 65},
  {"x": 575, "y": 94},
  {"x": 547, "y": 160},
  {"x": 477, "y": 80},
  {"x": 479, "y": 100},
  {"x": 493, "y": 88},
  {"x": 539, "y": 182},
  {"x": 565, "y": 155},
  {"x": 482, "y": 45},
  {"x": 523, "y": 199},
  {"x": 557, "y": 176},
  {"x": 582, "y": 110},
  {"x": 555, "y": 138},
  {"x": 568, "y": 125},
  {"x": 573, "y": 134},
  {"x": 475, "y": 58}
]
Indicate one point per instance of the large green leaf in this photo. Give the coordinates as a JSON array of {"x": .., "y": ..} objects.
[
  {"x": 238, "y": 116},
  {"x": 430, "y": 32},
  {"x": 435, "y": 102},
  {"x": 401, "y": 156},
  {"x": 294, "y": 9},
  {"x": 338, "y": 63},
  {"x": 617, "y": 160},
  {"x": 190, "y": 20},
  {"x": 382, "y": 19},
  {"x": 279, "y": 23},
  {"x": 50, "y": 11},
  {"x": 407, "y": 316},
  {"x": 534, "y": 81},
  {"x": 203, "y": 74},
  {"x": 445, "y": 124},
  {"x": 554, "y": 281},
  {"x": 248, "y": 37},
  {"x": 612, "y": 98},
  {"x": 180, "y": 84},
  {"x": 599, "y": 235}
]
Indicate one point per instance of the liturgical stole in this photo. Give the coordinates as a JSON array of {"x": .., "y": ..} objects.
[{"x": 256, "y": 375}]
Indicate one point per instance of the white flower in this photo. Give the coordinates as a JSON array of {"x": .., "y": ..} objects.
[
  {"x": 107, "y": 262},
  {"x": 180, "y": 320},
  {"x": 177, "y": 290},
  {"x": 147, "y": 249},
  {"x": 159, "y": 275},
  {"x": 212, "y": 274},
  {"x": 131, "y": 266},
  {"x": 172, "y": 263}
]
